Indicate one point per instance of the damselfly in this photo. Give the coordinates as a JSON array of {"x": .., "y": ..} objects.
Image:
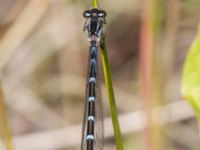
[{"x": 93, "y": 129}]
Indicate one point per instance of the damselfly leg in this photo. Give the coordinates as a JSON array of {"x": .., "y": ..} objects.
[{"x": 92, "y": 132}]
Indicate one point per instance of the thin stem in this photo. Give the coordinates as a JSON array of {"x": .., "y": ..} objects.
[
  {"x": 149, "y": 74},
  {"x": 4, "y": 125},
  {"x": 111, "y": 97},
  {"x": 94, "y": 3}
]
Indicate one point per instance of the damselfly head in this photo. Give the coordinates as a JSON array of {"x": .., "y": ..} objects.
[
  {"x": 95, "y": 19},
  {"x": 94, "y": 13}
]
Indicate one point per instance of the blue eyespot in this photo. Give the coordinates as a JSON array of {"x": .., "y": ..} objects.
[
  {"x": 101, "y": 13},
  {"x": 87, "y": 14}
]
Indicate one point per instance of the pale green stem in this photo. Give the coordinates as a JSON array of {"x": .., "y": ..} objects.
[
  {"x": 109, "y": 87},
  {"x": 94, "y": 3},
  {"x": 111, "y": 97},
  {"x": 4, "y": 126}
]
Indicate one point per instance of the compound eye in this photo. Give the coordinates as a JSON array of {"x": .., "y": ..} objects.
[
  {"x": 87, "y": 14},
  {"x": 101, "y": 14}
]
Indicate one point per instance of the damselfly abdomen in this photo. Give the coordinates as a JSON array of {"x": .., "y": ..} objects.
[{"x": 93, "y": 130}]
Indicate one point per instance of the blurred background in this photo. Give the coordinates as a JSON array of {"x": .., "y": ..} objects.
[{"x": 43, "y": 60}]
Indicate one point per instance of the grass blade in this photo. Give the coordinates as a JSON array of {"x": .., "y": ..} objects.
[
  {"x": 111, "y": 97},
  {"x": 4, "y": 127},
  {"x": 150, "y": 72},
  {"x": 109, "y": 87},
  {"x": 94, "y": 3}
]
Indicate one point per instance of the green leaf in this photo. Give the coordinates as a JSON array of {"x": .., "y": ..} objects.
[{"x": 190, "y": 89}]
